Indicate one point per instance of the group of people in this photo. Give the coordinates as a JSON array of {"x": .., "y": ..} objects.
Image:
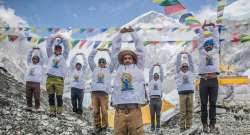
[{"x": 123, "y": 79}]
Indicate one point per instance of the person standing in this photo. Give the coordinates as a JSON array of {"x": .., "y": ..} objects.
[
  {"x": 77, "y": 82},
  {"x": 185, "y": 87},
  {"x": 208, "y": 71},
  {"x": 155, "y": 94},
  {"x": 34, "y": 78},
  {"x": 129, "y": 93},
  {"x": 100, "y": 89},
  {"x": 57, "y": 52}
]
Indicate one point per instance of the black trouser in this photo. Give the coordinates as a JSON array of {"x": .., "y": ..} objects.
[
  {"x": 52, "y": 100},
  {"x": 155, "y": 110},
  {"x": 76, "y": 99},
  {"x": 208, "y": 92}
]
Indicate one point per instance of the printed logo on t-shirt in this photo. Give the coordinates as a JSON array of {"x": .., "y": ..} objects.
[
  {"x": 100, "y": 78},
  {"x": 185, "y": 79},
  {"x": 76, "y": 78},
  {"x": 56, "y": 63},
  {"x": 155, "y": 86},
  {"x": 126, "y": 82},
  {"x": 209, "y": 60},
  {"x": 32, "y": 71}
]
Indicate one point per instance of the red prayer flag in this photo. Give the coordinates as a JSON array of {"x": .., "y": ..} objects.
[
  {"x": 82, "y": 42},
  {"x": 173, "y": 8}
]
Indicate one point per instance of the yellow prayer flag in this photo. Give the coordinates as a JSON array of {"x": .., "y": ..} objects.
[
  {"x": 158, "y": 1},
  {"x": 33, "y": 29},
  {"x": 2, "y": 37}
]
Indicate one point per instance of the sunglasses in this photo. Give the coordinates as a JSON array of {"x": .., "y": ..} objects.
[
  {"x": 184, "y": 67},
  {"x": 102, "y": 62}
]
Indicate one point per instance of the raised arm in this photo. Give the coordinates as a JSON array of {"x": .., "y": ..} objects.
[
  {"x": 91, "y": 61},
  {"x": 84, "y": 66},
  {"x": 49, "y": 46},
  {"x": 151, "y": 73},
  {"x": 190, "y": 61},
  {"x": 41, "y": 57},
  {"x": 66, "y": 48},
  {"x": 216, "y": 37},
  {"x": 29, "y": 57},
  {"x": 161, "y": 73},
  {"x": 72, "y": 63},
  {"x": 116, "y": 46},
  {"x": 111, "y": 65},
  {"x": 139, "y": 50},
  {"x": 178, "y": 63},
  {"x": 200, "y": 40}
]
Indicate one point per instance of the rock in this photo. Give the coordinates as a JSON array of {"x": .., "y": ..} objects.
[
  {"x": 6, "y": 112},
  {"x": 44, "y": 117},
  {"x": 220, "y": 111},
  {"x": 45, "y": 123},
  {"x": 57, "y": 128},
  {"x": 8, "y": 127}
]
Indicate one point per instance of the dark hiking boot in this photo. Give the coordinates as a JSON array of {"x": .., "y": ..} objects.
[
  {"x": 205, "y": 128},
  {"x": 213, "y": 128}
]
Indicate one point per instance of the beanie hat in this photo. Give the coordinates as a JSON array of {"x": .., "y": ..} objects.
[{"x": 208, "y": 42}]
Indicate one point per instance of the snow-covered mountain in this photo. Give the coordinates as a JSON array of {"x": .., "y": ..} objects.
[
  {"x": 238, "y": 10},
  {"x": 154, "y": 54},
  {"x": 13, "y": 55}
]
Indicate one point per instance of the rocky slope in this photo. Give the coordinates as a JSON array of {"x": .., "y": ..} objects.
[{"x": 15, "y": 120}]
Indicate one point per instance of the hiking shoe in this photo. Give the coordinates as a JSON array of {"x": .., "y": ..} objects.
[
  {"x": 152, "y": 129},
  {"x": 104, "y": 130},
  {"x": 205, "y": 128},
  {"x": 52, "y": 114},
  {"x": 38, "y": 110},
  {"x": 182, "y": 130},
  {"x": 79, "y": 111},
  {"x": 97, "y": 131},
  {"x": 213, "y": 129},
  {"x": 28, "y": 109},
  {"x": 74, "y": 110},
  {"x": 157, "y": 130}
]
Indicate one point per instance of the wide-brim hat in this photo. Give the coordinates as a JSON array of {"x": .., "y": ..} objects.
[{"x": 127, "y": 52}]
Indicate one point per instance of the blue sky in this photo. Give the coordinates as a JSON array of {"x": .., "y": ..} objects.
[{"x": 90, "y": 13}]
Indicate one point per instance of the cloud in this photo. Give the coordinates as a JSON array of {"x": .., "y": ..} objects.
[
  {"x": 122, "y": 6},
  {"x": 8, "y": 16},
  {"x": 206, "y": 13},
  {"x": 75, "y": 15},
  {"x": 92, "y": 8}
]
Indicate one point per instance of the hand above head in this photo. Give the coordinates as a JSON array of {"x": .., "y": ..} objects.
[
  {"x": 205, "y": 24},
  {"x": 130, "y": 29},
  {"x": 36, "y": 48},
  {"x": 80, "y": 53},
  {"x": 58, "y": 36},
  {"x": 125, "y": 30},
  {"x": 157, "y": 64},
  {"x": 103, "y": 49}
]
